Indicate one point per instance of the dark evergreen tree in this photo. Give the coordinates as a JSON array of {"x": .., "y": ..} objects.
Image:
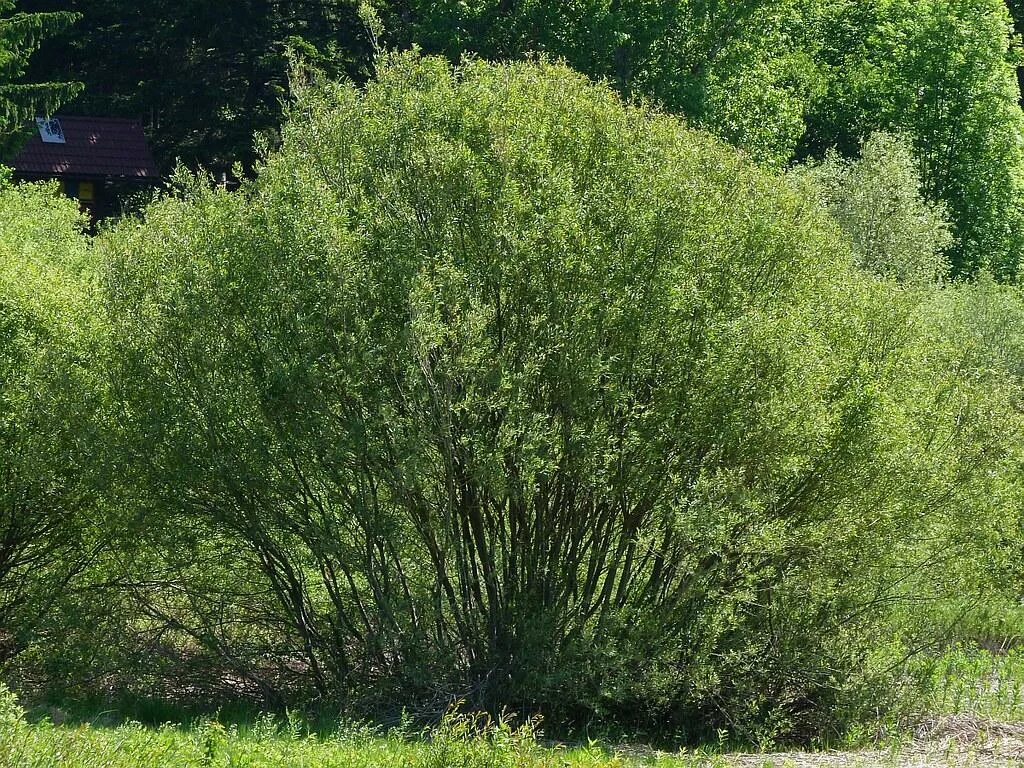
[
  {"x": 204, "y": 77},
  {"x": 20, "y": 35}
]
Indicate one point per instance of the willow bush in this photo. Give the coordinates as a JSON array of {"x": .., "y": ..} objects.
[{"x": 493, "y": 387}]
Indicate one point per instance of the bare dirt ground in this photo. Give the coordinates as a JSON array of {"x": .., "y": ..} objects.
[{"x": 959, "y": 741}]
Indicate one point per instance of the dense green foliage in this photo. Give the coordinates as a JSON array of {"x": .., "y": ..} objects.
[
  {"x": 942, "y": 72},
  {"x": 48, "y": 408},
  {"x": 491, "y": 386},
  {"x": 877, "y": 201},
  {"x": 782, "y": 80},
  {"x": 801, "y": 77}
]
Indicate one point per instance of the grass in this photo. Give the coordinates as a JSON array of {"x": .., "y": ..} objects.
[
  {"x": 270, "y": 744},
  {"x": 976, "y": 682},
  {"x": 972, "y": 697},
  {"x": 459, "y": 742},
  {"x": 273, "y": 744}
]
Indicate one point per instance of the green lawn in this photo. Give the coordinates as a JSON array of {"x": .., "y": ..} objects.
[
  {"x": 270, "y": 744},
  {"x": 44, "y": 745}
]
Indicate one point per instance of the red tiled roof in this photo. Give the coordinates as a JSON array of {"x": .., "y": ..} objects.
[{"x": 95, "y": 146}]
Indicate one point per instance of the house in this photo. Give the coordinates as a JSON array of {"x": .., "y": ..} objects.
[{"x": 96, "y": 159}]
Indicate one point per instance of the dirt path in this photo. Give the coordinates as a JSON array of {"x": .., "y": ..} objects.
[
  {"x": 962, "y": 741},
  {"x": 959, "y": 741}
]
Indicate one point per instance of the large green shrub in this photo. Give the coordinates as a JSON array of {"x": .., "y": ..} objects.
[{"x": 492, "y": 386}]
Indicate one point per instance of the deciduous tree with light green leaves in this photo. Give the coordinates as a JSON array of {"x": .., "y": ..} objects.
[
  {"x": 878, "y": 202},
  {"x": 944, "y": 73}
]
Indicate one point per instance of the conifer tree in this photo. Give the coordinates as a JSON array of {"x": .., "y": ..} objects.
[{"x": 20, "y": 35}]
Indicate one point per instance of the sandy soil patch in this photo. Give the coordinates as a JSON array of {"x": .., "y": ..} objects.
[{"x": 959, "y": 741}]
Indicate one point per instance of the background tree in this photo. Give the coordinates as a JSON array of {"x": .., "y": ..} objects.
[
  {"x": 740, "y": 69},
  {"x": 943, "y": 73},
  {"x": 20, "y": 35},
  {"x": 877, "y": 200}
]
